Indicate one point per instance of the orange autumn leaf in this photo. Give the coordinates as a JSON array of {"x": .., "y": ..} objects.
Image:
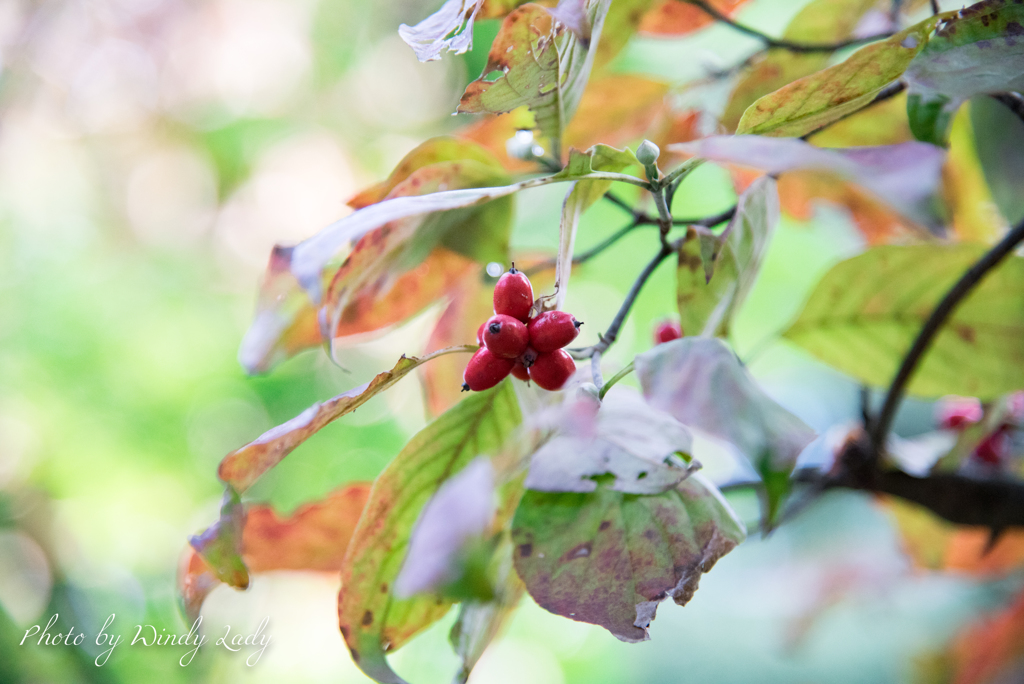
[
  {"x": 493, "y": 131},
  {"x": 675, "y": 18},
  {"x": 616, "y": 110},
  {"x": 196, "y": 580},
  {"x": 991, "y": 649},
  {"x": 314, "y": 537}
]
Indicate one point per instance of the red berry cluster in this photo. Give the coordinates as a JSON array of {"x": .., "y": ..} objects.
[{"x": 512, "y": 342}]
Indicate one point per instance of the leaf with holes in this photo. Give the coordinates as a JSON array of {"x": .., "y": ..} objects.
[
  {"x": 820, "y": 22},
  {"x": 977, "y": 50},
  {"x": 826, "y": 96},
  {"x": 242, "y": 467},
  {"x": 701, "y": 383},
  {"x": 864, "y": 326},
  {"x": 644, "y": 451},
  {"x": 541, "y": 58},
  {"x": 372, "y": 619},
  {"x": 609, "y": 558},
  {"x": 716, "y": 274}
]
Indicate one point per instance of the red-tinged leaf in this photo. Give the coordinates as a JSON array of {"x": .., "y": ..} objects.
[
  {"x": 610, "y": 558},
  {"x": 433, "y": 151},
  {"x": 826, "y": 96},
  {"x": 493, "y": 132},
  {"x": 991, "y": 650},
  {"x": 701, "y": 383},
  {"x": 822, "y": 21},
  {"x": 242, "y": 467},
  {"x": 373, "y": 621},
  {"x": 314, "y": 537},
  {"x": 196, "y": 580},
  {"x": 221, "y": 544},
  {"x": 905, "y": 176},
  {"x": 542, "y": 58},
  {"x": 675, "y": 18},
  {"x": 615, "y": 110}
]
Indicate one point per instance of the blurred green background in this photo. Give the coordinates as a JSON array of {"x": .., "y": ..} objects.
[{"x": 151, "y": 154}]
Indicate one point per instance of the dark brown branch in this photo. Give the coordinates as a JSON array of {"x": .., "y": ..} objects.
[
  {"x": 1013, "y": 101},
  {"x": 608, "y": 338},
  {"x": 935, "y": 321},
  {"x": 778, "y": 42},
  {"x": 888, "y": 92}
]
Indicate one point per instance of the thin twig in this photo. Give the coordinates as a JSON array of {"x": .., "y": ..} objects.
[
  {"x": 778, "y": 42},
  {"x": 888, "y": 92},
  {"x": 1014, "y": 101},
  {"x": 615, "y": 378},
  {"x": 595, "y": 370},
  {"x": 664, "y": 216},
  {"x": 933, "y": 325},
  {"x": 608, "y": 338},
  {"x": 708, "y": 221},
  {"x": 935, "y": 7}
]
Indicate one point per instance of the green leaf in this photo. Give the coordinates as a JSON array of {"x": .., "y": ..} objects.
[
  {"x": 702, "y": 384},
  {"x": 716, "y": 274},
  {"x": 821, "y": 21},
  {"x": 609, "y": 558},
  {"x": 372, "y": 619},
  {"x": 622, "y": 437},
  {"x": 819, "y": 99},
  {"x": 542, "y": 58},
  {"x": 864, "y": 326},
  {"x": 221, "y": 544},
  {"x": 977, "y": 50},
  {"x": 242, "y": 467}
]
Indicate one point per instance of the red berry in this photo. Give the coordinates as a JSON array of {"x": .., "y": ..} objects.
[
  {"x": 480, "y": 334},
  {"x": 513, "y": 295},
  {"x": 485, "y": 370},
  {"x": 992, "y": 449},
  {"x": 505, "y": 336},
  {"x": 667, "y": 331},
  {"x": 519, "y": 371},
  {"x": 956, "y": 413},
  {"x": 552, "y": 369},
  {"x": 553, "y": 330}
]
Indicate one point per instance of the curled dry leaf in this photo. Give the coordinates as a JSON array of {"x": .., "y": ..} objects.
[{"x": 609, "y": 558}]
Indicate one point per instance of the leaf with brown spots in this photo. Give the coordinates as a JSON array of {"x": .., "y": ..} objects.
[
  {"x": 822, "y": 21},
  {"x": 609, "y": 558},
  {"x": 373, "y": 621},
  {"x": 826, "y": 96},
  {"x": 242, "y": 467},
  {"x": 675, "y": 18},
  {"x": 540, "y": 58},
  {"x": 710, "y": 288},
  {"x": 977, "y": 50},
  {"x": 864, "y": 326},
  {"x": 700, "y": 382}
]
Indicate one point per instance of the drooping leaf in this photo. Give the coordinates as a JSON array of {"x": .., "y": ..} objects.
[
  {"x": 449, "y": 28},
  {"x": 977, "y": 50},
  {"x": 242, "y": 467},
  {"x": 256, "y": 539},
  {"x": 220, "y": 545},
  {"x": 433, "y": 151},
  {"x": 639, "y": 447},
  {"x": 820, "y": 22},
  {"x": 905, "y": 176},
  {"x": 974, "y": 214},
  {"x": 674, "y": 18},
  {"x": 609, "y": 558},
  {"x": 701, "y": 383},
  {"x": 616, "y": 109},
  {"x": 821, "y": 98},
  {"x": 314, "y": 537},
  {"x": 542, "y": 59},
  {"x": 372, "y": 619},
  {"x": 460, "y": 512},
  {"x": 711, "y": 288},
  {"x": 864, "y": 326}
]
